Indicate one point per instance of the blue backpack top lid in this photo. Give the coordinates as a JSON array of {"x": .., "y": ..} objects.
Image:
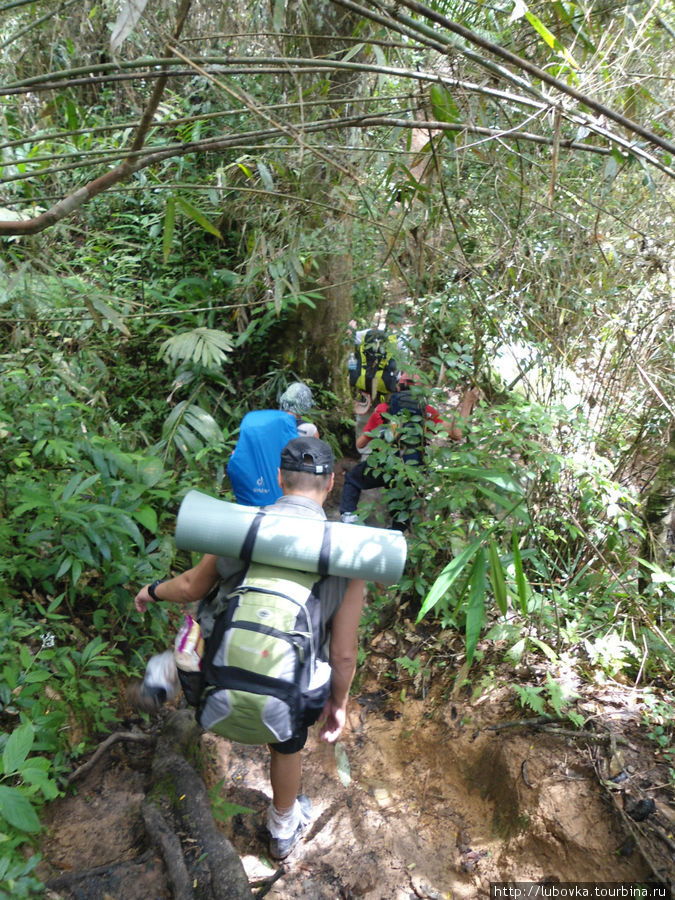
[{"x": 253, "y": 466}]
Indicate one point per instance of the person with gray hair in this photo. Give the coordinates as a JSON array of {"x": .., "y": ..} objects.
[
  {"x": 263, "y": 433},
  {"x": 297, "y": 399}
]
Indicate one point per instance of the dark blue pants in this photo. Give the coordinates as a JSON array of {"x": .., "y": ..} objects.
[
  {"x": 362, "y": 478},
  {"x": 358, "y": 479}
]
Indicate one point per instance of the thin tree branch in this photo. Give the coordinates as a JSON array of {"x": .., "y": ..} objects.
[
  {"x": 142, "y": 159},
  {"x": 253, "y": 107},
  {"x": 134, "y": 162},
  {"x": 280, "y": 65},
  {"x": 160, "y": 84},
  {"x": 35, "y": 24},
  {"x": 536, "y": 71}
]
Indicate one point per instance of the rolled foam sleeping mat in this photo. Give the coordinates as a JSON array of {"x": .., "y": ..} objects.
[{"x": 207, "y": 525}]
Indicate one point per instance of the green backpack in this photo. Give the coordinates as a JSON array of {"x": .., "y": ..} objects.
[{"x": 260, "y": 672}]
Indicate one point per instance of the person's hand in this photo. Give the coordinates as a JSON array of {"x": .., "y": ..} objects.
[
  {"x": 332, "y": 721},
  {"x": 142, "y": 599},
  {"x": 472, "y": 396}
]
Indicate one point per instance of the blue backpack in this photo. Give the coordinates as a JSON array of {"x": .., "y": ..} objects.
[{"x": 253, "y": 466}]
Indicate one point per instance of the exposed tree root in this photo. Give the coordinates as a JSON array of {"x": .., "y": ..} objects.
[
  {"x": 168, "y": 846},
  {"x": 640, "y": 832},
  {"x": 69, "y": 880},
  {"x": 135, "y": 736},
  {"x": 179, "y": 788}
]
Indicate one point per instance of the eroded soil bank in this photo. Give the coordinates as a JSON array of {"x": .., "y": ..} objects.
[{"x": 425, "y": 798}]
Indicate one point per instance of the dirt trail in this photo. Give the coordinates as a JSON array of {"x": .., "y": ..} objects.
[{"x": 430, "y": 800}]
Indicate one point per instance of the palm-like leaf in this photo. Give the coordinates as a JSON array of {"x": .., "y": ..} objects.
[
  {"x": 190, "y": 428},
  {"x": 206, "y": 347}
]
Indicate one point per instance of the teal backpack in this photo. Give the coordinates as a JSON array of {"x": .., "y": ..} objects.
[{"x": 260, "y": 672}]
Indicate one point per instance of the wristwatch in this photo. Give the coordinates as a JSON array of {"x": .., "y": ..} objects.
[{"x": 151, "y": 588}]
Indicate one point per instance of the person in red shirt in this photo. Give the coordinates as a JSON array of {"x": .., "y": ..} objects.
[{"x": 362, "y": 477}]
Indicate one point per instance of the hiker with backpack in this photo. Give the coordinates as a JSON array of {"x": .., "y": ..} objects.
[
  {"x": 406, "y": 411},
  {"x": 263, "y": 433},
  {"x": 373, "y": 371},
  {"x": 372, "y": 363},
  {"x": 328, "y": 607}
]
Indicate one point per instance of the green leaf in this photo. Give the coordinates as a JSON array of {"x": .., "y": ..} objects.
[
  {"x": 37, "y": 675},
  {"x": 548, "y": 652},
  {"x": 35, "y": 772},
  {"x": 147, "y": 517},
  {"x": 530, "y": 696},
  {"x": 198, "y": 216},
  {"x": 520, "y": 575},
  {"x": 515, "y": 653},
  {"x": 77, "y": 486},
  {"x": 223, "y": 811},
  {"x": 16, "y": 809},
  {"x": 169, "y": 227},
  {"x": 495, "y": 476},
  {"x": 550, "y": 39},
  {"x": 76, "y": 571},
  {"x": 353, "y": 51},
  {"x": 17, "y": 748},
  {"x": 110, "y": 314},
  {"x": 64, "y": 567},
  {"x": 203, "y": 424},
  {"x": 557, "y": 697},
  {"x": 23, "y": 508},
  {"x": 208, "y": 347},
  {"x": 504, "y": 631},
  {"x": 475, "y": 612},
  {"x": 497, "y": 578},
  {"x": 442, "y": 104},
  {"x": 343, "y": 768},
  {"x": 447, "y": 578}
]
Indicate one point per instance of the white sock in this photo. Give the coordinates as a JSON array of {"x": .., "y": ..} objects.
[{"x": 283, "y": 825}]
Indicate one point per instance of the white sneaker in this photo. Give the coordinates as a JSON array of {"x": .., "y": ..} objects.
[
  {"x": 280, "y": 847},
  {"x": 349, "y": 518}
]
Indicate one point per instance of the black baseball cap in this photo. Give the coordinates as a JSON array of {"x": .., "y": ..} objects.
[{"x": 295, "y": 453}]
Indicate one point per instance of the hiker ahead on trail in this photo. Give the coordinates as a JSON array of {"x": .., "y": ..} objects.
[
  {"x": 373, "y": 362},
  {"x": 263, "y": 434},
  {"x": 405, "y": 416}
]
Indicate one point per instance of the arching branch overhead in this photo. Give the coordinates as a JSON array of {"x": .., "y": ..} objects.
[{"x": 394, "y": 99}]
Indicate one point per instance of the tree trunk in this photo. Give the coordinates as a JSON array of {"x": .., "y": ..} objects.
[{"x": 659, "y": 513}]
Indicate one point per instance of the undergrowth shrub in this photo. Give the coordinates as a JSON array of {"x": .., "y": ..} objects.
[
  {"x": 84, "y": 523},
  {"x": 522, "y": 524}
]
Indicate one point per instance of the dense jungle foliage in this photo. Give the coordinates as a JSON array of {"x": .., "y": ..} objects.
[{"x": 194, "y": 202}]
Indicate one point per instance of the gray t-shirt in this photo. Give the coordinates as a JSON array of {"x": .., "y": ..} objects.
[{"x": 331, "y": 588}]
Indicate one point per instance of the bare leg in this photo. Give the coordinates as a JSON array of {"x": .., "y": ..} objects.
[{"x": 285, "y": 774}]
